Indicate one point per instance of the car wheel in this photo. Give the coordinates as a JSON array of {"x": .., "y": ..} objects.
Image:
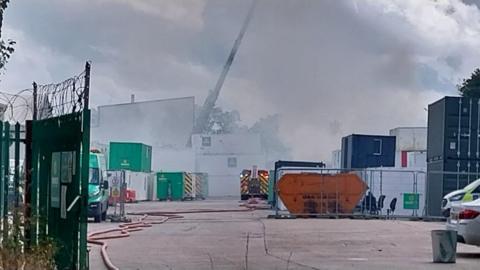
[{"x": 446, "y": 213}]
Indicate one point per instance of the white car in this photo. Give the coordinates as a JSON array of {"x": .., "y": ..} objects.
[
  {"x": 469, "y": 193},
  {"x": 465, "y": 219}
]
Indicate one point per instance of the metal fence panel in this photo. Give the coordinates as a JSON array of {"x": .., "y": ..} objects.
[{"x": 389, "y": 192}]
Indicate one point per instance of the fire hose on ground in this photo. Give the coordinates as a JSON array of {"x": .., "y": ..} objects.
[{"x": 124, "y": 229}]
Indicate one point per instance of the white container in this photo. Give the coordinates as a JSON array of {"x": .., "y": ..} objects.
[
  {"x": 417, "y": 159},
  {"x": 410, "y": 138},
  {"x": 140, "y": 182}
]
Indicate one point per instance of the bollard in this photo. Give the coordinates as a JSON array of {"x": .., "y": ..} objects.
[{"x": 444, "y": 246}]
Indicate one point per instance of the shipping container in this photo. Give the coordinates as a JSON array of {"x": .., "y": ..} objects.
[
  {"x": 163, "y": 187},
  {"x": 130, "y": 156},
  {"x": 453, "y": 142},
  {"x": 417, "y": 160},
  {"x": 152, "y": 188},
  {"x": 336, "y": 159},
  {"x": 139, "y": 182},
  {"x": 201, "y": 185},
  {"x": 179, "y": 185},
  {"x": 367, "y": 151}
]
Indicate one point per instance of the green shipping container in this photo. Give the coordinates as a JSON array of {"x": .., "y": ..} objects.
[
  {"x": 179, "y": 185},
  {"x": 163, "y": 187},
  {"x": 136, "y": 157}
]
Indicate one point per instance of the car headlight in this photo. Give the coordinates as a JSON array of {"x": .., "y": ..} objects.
[
  {"x": 457, "y": 197},
  {"x": 96, "y": 193}
]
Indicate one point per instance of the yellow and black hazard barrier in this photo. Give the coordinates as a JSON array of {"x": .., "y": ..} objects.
[
  {"x": 188, "y": 187},
  {"x": 263, "y": 178}
]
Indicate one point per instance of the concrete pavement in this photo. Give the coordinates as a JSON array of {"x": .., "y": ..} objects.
[{"x": 247, "y": 240}]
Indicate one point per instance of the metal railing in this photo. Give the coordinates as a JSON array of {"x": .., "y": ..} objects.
[{"x": 388, "y": 193}]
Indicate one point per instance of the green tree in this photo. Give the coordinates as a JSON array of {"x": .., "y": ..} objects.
[
  {"x": 6, "y": 46},
  {"x": 471, "y": 87},
  {"x": 223, "y": 122}
]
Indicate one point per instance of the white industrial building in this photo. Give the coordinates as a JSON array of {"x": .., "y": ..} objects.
[
  {"x": 411, "y": 147},
  {"x": 166, "y": 125},
  {"x": 224, "y": 156}
]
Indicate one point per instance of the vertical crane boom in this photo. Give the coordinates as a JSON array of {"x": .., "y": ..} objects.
[{"x": 201, "y": 122}]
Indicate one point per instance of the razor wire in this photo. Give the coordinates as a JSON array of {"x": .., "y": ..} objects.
[
  {"x": 61, "y": 98},
  {"x": 51, "y": 100},
  {"x": 16, "y": 107}
]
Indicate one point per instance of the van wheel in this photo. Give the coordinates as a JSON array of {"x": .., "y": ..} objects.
[
  {"x": 104, "y": 214},
  {"x": 98, "y": 218}
]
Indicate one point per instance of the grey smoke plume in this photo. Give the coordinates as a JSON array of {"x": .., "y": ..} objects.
[{"x": 327, "y": 68}]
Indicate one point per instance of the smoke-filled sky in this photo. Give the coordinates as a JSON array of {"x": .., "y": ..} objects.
[{"x": 329, "y": 68}]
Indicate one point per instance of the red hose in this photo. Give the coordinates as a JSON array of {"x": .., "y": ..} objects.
[{"x": 125, "y": 228}]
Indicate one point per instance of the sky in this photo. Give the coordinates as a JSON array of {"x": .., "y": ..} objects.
[{"x": 328, "y": 68}]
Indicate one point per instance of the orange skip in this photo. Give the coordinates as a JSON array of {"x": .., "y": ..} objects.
[{"x": 312, "y": 193}]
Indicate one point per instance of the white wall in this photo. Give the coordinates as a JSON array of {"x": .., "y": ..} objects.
[
  {"x": 417, "y": 160},
  {"x": 169, "y": 160},
  {"x": 158, "y": 123},
  {"x": 242, "y": 143},
  {"x": 224, "y": 179},
  {"x": 409, "y": 139},
  {"x": 140, "y": 182}
]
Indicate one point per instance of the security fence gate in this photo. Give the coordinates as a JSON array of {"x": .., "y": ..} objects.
[
  {"x": 60, "y": 148},
  {"x": 45, "y": 186}
]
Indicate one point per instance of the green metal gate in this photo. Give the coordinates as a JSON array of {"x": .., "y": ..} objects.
[
  {"x": 10, "y": 182},
  {"x": 60, "y": 148},
  {"x": 45, "y": 186}
]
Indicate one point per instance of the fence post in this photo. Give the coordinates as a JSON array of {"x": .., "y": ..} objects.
[
  {"x": 2, "y": 179},
  {"x": 336, "y": 197},
  {"x": 6, "y": 171},
  {"x": 35, "y": 101},
  {"x": 28, "y": 183},
  {"x": 16, "y": 179},
  {"x": 86, "y": 90}
]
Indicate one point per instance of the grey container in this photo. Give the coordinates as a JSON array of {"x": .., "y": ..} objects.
[
  {"x": 444, "y": 246},
  {"x": 453, "y": 145}
]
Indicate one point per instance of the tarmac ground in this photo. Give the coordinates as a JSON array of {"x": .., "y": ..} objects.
[{"x": 249, "y": 240}]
